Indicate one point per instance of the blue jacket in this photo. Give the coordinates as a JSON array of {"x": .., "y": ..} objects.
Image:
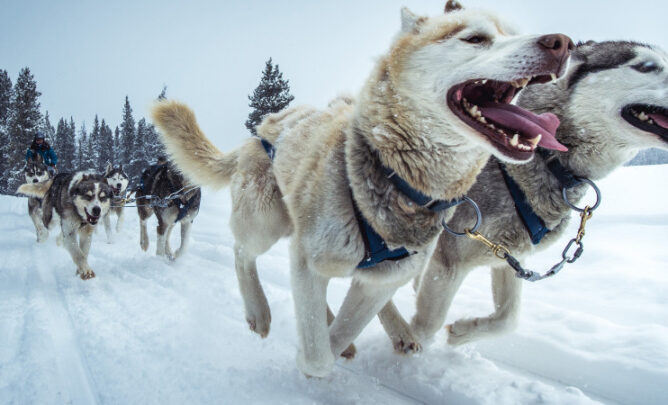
[{"x": 46, "y": 151}]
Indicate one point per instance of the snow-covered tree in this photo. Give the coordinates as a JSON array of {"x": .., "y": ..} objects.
[
  {"x": 5, "y": 104},
  {"x": 127, "y": 135},
  {"x": 24, "y": 120},
  {"x": 106, "y": 152},
  {"x": 94, "y": 145},
  {"x": 65, "y": 146},
  {"x": 82, "y": 145},
  {"x": 117, "y": 146},
  {"x": 270, "y": 96}
]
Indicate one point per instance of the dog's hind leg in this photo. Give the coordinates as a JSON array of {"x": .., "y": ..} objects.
[
  {"x": 506, "y": 290},
  {"x": 168, "y": 248},
  {"x": 41, "y": 231},
  {"x": 144, "y": 213}
]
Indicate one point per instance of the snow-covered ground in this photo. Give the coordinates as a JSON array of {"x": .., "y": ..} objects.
[{"x": 152, "y": 332}]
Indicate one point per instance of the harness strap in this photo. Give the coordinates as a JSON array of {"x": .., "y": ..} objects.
[
  {"x": 416, "y": 196},
  {"x": 532, "y": 222},
  {"x": 565, "y": 176},
  {"x": 183, "y": 208}
]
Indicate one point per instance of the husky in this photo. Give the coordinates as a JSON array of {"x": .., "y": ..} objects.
[
  {"x": 79, "y": 200},
  {"x": 36, "y": 171},
  {"x": 612, "y": 102},
  {"x": 164, "y": 191},
  {"x": 118, "y": 181},
  {"x": 374, "y": 174}
]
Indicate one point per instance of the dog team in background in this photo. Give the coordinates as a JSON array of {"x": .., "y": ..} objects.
[{"x": 461, "y": 119}]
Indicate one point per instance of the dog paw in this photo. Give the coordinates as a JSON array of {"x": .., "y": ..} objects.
[
  {"x": 318, "y": 367},
  {"x": 144, "y": 246},
  {"x": 461, "y": 332},
  {"x": 407, "y": 347},
  {"x": 260, "y": 324},
  {"x": 350, "y": 352},
  {"x": 86, "y": 274}
]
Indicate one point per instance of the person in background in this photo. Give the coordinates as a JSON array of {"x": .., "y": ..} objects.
[{"x": 41, "y": 146}]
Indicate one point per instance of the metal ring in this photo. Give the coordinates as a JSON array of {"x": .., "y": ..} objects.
[
  {"x": 593, "y": 185},
  {"x": 477, "y": 223}
]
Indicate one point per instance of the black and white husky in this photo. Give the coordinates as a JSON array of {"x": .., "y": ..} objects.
[
  {"x": 80, "y": 200},
  {"x": 36, "y": 171},
  {"x": 118, "y": 181},
  {"x": 164, "y": 191}
]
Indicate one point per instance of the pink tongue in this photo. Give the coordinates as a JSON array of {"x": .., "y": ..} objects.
[
  {"x": 528, "y": 124},
  {"x": 659, "y": 119}
]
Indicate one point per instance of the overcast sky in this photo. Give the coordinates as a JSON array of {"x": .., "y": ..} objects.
[{"x": 86, "y": 56}]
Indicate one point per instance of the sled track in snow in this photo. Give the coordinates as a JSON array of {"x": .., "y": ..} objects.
[{"x": 73, "y": 371}]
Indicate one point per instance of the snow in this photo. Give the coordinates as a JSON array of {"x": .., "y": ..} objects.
[{"x": 149, "y": 331}]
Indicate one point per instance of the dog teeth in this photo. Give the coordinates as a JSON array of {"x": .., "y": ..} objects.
[
  {"x": 482, "y": 119},
  {"x": 484, "y": 81},
  {"x": 642, "y": 116},
  {"x": 515, "y": 140},
  {"x": 554, "y": 77},
  {"x": 521, "y": 83},
  {"x": 536, "y": 140}
]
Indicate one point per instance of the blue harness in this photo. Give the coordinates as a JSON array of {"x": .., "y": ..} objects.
[
  {"x": 534, "y": 224},
  {"x": 375, "y": 248}
]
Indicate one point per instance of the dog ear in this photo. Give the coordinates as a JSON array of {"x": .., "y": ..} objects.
[
  {"x": 452, "y": 5},
  {"x": 410, "y": 23},
  {"x": 109, "y": 168}
]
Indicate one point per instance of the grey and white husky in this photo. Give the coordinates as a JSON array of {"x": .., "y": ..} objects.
[
  {"x": 80, "y": 200},
  {"x": 36, "y": 171},
  {"x": 164, "y": 191},
  {"x": 612, "y": 103},
  {"x": 118, "y": 181}
]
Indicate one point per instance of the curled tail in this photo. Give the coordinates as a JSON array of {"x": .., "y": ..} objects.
[
  {"x": 193, "y": 153},
  {"x": 38, "y": 190}
]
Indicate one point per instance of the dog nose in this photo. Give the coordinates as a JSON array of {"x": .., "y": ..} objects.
[
  {"x": 559, "y": 45},
  {"x": 118, "y": 185},
  {"x": 96, "y": 211},
  {"x": 35, "y": 180}
]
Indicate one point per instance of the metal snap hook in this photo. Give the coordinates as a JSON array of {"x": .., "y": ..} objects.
[
  {"x": 477, "y": 223},
  {"x": 593, "y": 185}
]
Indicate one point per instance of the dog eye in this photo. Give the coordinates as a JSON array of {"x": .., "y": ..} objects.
[
  {"x": 475, "y": 39},
  {"x": 646, "y": 67}
]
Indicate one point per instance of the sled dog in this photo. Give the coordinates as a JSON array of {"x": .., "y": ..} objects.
[
  {"x": 612, "y": 102},
  {"x": 118, "y": 181},
  {"x": 164, "y": 191},
  {"x": 79, "y": 199},
  {"x": 36, "y": 171},
  {"x": 375, "y": 172}
]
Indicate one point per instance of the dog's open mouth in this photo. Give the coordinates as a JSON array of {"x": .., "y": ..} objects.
[
  {"x": 485, "y": 106},
  {"x": 649, "y": 118},
  {"x": 116, "y": 191},
  {"x": 91, "y": 219}
]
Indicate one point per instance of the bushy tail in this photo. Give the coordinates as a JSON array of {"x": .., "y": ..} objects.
[
  {"x": 38, "y": 190},
  {"x": 194, "y": 155}
]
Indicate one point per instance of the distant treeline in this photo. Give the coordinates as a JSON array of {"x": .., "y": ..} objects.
[{"x": 132, "y": 144}]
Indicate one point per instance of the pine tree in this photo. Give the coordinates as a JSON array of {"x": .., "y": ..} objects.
[
  {"x": 106, "y": 146},
  {"x": 117, "y": 146},
  {"x": 89, "y": 155},
  {"x": 6, "y": 92},
  {"x": 24, "y": 120},
  {"x": 94, "y": 146},
  {"x": 82, "y": 144},
  {"x": 47, "y": 129},
  {"x": 270, "y": 96},
  {"x": 139, "y": 158},
  {"x": 64, "y": 146},
  {"x": 127, "y": 138}
]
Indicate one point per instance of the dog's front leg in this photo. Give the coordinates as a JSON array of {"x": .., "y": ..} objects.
[
  {"x": 362, "y": 303},
  {"x": 506, "y": 290},
  {"x": 119, "y": 221},
  {"x": 399, "y": 331},
  {"x": 107, "y": 228},
  {"x": 186, "y": 225},
  {"x": 309, "y": 291},
  {"x": 438, "y": 286},
  {"x": 74, "y": 248},
  {"x": 41, "y": 230}
]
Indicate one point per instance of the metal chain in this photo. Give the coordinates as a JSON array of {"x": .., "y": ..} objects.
[{"x": 154, "y": 201}]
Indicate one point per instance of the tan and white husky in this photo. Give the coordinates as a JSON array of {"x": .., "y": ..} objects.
[{"x": 434, "y": 108}]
